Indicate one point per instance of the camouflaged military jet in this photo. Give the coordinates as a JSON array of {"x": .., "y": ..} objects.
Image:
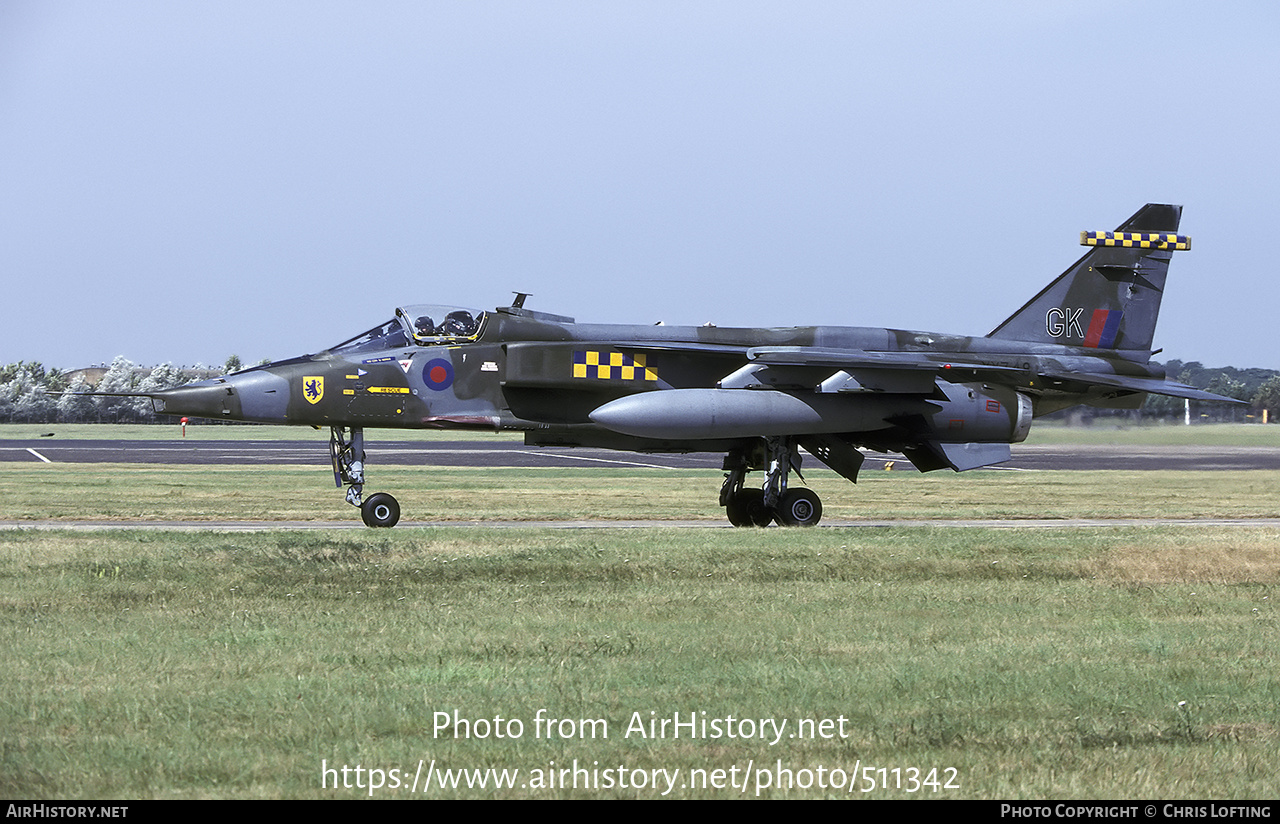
[{"x": 759, "y": 396}]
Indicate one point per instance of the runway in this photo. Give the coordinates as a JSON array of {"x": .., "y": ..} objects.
[{"x": 509, "y": 453}]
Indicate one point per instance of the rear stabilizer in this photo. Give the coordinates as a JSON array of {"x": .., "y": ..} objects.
[{"x": 1110, "y": 298}]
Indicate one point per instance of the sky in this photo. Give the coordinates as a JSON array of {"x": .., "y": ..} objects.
[{"x": 184, "y": 181}]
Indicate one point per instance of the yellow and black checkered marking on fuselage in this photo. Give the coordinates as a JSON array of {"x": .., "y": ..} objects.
[
  {"x": 594, "y": 364},
  {"x": 1136, "y": 240}
]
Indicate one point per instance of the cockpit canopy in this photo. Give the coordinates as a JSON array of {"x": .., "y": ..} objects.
[
  {"x": 423, "y": 324},
  {"x": 430, "y": 324}
]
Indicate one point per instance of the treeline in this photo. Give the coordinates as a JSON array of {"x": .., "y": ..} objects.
[
  {"x": 30, "y": 393},
  {"x": 1258, "y": 388}
]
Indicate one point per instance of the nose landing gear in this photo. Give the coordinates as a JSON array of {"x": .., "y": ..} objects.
[{"x": 379, "y": 509}]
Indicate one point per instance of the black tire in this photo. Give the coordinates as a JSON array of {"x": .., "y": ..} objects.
[
  {"x": 799, "y": 507},
  {"x": 380, "y": 510},
  {"x": 747, "y": 509}
]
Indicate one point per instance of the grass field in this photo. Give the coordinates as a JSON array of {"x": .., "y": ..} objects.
[
  {"x": 32, "y": 491},
  {"x": 1098, "y": 663},
  {"x": 1118, "y": 662},
  {"x": 1158, "y": 434}
]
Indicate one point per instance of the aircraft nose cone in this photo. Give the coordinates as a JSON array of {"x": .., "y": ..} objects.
[
  {"x": 207, "y": 399},
  {"x": 258, "y": 395}
]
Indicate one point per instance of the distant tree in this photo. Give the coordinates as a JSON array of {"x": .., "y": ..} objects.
[
  {"x": 22, "y": 396},
  {"x": 164, "y": 376},
  {"x": 232, "y": 365},
  {"x": 1228, "y": 386},
  {"x": 55, "y": 380},
  {"x": 1220, "y": 383},
  {"x": 74, "y": 406},
  {"x": 1162, "y": 406},
  {"x": 1268, "y": 398},
  {"x": 32, "y": 371},
  {"x": 122, "y": 377}
]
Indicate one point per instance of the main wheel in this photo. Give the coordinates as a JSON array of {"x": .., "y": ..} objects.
[
  {"x": 380, "y": 510},
  {"x": 747, "y": 509},
  {"x": 799, "y": 507}
]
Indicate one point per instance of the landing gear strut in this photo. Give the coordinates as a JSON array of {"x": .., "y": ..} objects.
[
  {"x": 379, "y": 509},
  {"x": 758, "y": 507}
]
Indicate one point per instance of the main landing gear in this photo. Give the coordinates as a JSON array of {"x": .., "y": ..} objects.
[
  {"x": 379, "y": 509},
  {"x": 774, "y": 502}
]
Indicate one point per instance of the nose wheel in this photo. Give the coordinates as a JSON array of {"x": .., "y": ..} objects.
[
  {"x": 346, "y": 448},
  {"x": 380, "y": 510}
]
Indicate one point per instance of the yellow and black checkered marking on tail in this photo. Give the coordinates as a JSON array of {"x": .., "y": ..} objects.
[
  {"x": 1136, "y": 240},
  {"x": 597, "y": 365}
]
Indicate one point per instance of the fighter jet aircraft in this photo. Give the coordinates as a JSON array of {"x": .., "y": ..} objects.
[{"x": 759, "y": 396}]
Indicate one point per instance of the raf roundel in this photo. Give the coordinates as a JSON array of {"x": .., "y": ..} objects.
[{"x": 438, "y": 374}]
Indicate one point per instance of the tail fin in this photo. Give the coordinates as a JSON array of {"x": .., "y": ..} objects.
[{"x": 1108, "y": 299}]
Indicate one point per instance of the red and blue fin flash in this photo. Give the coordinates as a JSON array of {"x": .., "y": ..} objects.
[{"x": 1103, "y": 328}]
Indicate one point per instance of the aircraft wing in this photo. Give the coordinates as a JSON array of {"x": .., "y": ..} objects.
[
  {"x": 928, "y": 366},
  {"x": 915, "y": 372},
  {"x": 1154, "y": 386},
  {"x": 905, "y": 372}
]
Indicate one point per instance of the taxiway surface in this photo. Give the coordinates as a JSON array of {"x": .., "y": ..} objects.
[{"x": 508, "y": 453}]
